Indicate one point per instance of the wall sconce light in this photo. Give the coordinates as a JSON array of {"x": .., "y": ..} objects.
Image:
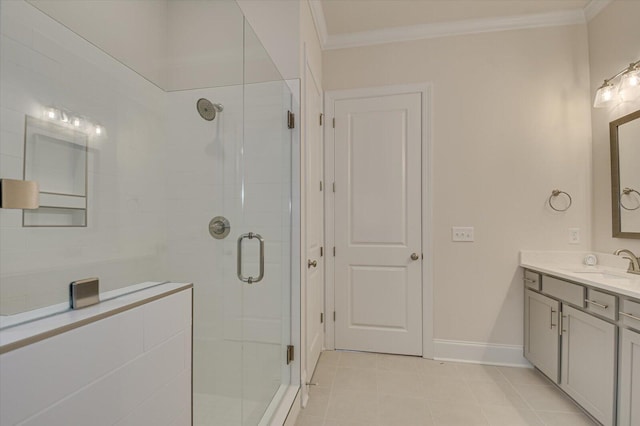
[
  {"x": 624, "y": 86},
  {"x": 70, "y": 119}
]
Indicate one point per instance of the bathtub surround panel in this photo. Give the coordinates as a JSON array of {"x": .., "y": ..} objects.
[
  {"x": 134, "y": 365},
  {"x": 613, "y": 44},
  {"x": 510, "y": 118}
]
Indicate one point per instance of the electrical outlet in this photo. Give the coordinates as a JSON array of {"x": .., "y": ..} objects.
[
  {"x": 462, "y": 233},
  {"x": 574, "y": 235}
]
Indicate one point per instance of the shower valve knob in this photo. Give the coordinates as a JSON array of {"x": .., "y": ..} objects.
[{"x": 219, "y": 227}]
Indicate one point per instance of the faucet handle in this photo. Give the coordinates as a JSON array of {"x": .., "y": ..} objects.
[{"x": 634, "y": 261}]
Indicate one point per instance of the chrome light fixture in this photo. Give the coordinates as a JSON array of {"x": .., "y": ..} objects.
[
  {"x": 623, "y": 86},
  {"x": 630, "y": 82},
  {"x": 69, "y": 119},
  {"x": 605, "y": 95}
]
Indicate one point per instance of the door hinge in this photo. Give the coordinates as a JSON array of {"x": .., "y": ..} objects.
[
  {"x": 334, "y": 316},
  {"x": 334, "y": 122},
  {"x": 320, "y": 185},
  {"x": 321, "y": 318},
  {"x": 334, "y": 187},
  {"x": 291, "y": 120},
  {"x": 321, "y": 251},
  {"x": 334, "y": 251},
  {"x": 290, "y": 353},
  {"x": 321, "y": 116}
]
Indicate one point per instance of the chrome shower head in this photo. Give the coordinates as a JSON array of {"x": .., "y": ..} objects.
[{"x": 208, "y": 110}]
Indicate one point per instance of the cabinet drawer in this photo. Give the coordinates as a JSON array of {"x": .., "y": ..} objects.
[
  {"x": 602, "y": 303},
  {"x": 563, "y": 290},
  {"x": 531, "y": 280},
  {"x": 630, "y": 314}
]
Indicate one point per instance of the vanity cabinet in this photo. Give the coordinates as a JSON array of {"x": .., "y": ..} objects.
[
  {"x": 541, "y": 338},
  {"x": 589, "y": 362},
  {"x": 629, "y": 396},
  {"x": 571, "y": 336}
]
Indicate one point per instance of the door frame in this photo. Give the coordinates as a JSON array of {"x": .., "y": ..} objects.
[
  {"x": 309, "y": 75},
  {"x": 330, "y": 97}
]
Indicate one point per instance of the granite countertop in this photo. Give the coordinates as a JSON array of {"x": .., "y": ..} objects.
[{"x": 610, "y": 272}]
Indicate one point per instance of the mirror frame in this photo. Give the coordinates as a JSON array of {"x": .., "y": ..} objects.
[{"x": 615, "y": 176}]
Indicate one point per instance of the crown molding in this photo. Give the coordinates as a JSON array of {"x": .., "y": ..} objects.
[
  {"x": 594, "y": 7},
  {"x": 453, "y": 28},
  {"x": 319, "y": 20}
]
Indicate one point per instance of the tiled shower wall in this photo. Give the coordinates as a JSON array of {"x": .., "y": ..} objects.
[
  {"x": 156, "y": 178},
  {"x": 44, "y": 65}
]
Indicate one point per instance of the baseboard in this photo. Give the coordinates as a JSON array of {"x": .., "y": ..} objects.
[{"x": 479, "y": 353}]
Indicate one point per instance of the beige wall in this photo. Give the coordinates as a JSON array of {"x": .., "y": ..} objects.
[
  {"x": 176, "y": 45},
  {"x": 277, "y": 25},
  {"x": 309, "y": 38},
  {"x": 614, "y": 42},
  {"x": 142, "y": 21},
  {"x": 510, "y": 122}
]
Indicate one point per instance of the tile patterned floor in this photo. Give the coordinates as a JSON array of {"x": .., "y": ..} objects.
[{"x": 358, "y": 389}]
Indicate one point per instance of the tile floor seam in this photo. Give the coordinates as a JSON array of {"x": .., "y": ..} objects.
[
  {"x": 533, "y": 410},
  {"x": 477, "y": 379}
]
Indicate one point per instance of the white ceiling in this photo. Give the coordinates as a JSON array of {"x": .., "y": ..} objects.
[{"x": 351, "y": 16}]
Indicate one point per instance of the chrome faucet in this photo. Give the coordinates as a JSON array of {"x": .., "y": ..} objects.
[{"x": 634, "y": 261}]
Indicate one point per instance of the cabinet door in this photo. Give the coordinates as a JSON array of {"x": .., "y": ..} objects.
[
  {"x": 629, "y": 395},
  {"x": 588, "y": 362},
  {"x": 541, "y": 339}
]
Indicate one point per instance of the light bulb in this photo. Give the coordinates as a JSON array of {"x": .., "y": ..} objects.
[
  {"x": 605, "y": 95},
  {"x": 630, "y": 83},
  {"x": 50, "y": 113},
  {"x": 98, "y": 130},
  {"x": 76, "y": 122}
]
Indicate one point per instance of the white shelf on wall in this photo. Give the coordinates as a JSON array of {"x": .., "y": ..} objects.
[{"x": 56, "y": 158}]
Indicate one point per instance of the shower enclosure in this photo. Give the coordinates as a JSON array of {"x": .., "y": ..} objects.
[{"x": 190, "y": 174}]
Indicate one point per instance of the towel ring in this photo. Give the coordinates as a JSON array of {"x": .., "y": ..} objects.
[
  {"x": 555, "y": 193},
  {"x": 629, "y": 191}
]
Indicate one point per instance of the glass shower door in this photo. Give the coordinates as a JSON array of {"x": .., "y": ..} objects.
[
  {"x": 242, "y": 318},
  {"x": 263, "y": 246}
]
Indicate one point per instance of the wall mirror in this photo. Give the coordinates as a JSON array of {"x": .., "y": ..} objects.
[{"x": 625, "y": 175}]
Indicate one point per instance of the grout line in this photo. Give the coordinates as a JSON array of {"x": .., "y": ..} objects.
[
  {"x": 420, "y": 375},
  {"x": 535, "y": 413}
]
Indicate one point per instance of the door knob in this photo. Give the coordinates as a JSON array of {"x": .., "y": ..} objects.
[
  {"x": 311, "y": 263},
  {"x": 415, "y": 256}
]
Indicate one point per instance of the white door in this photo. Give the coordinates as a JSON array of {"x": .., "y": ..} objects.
[
  {"x": 314, "y": 223},
  {"x": 378, "y": 210}
]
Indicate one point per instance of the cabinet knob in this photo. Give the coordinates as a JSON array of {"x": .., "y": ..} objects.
[{"x": 415, "y": 256}]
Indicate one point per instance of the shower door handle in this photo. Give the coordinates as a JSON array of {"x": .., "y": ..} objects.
[{"x": 250, "y": 236}]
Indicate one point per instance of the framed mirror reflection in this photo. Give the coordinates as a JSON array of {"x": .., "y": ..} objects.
[{"x": 625, "y": 175}]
